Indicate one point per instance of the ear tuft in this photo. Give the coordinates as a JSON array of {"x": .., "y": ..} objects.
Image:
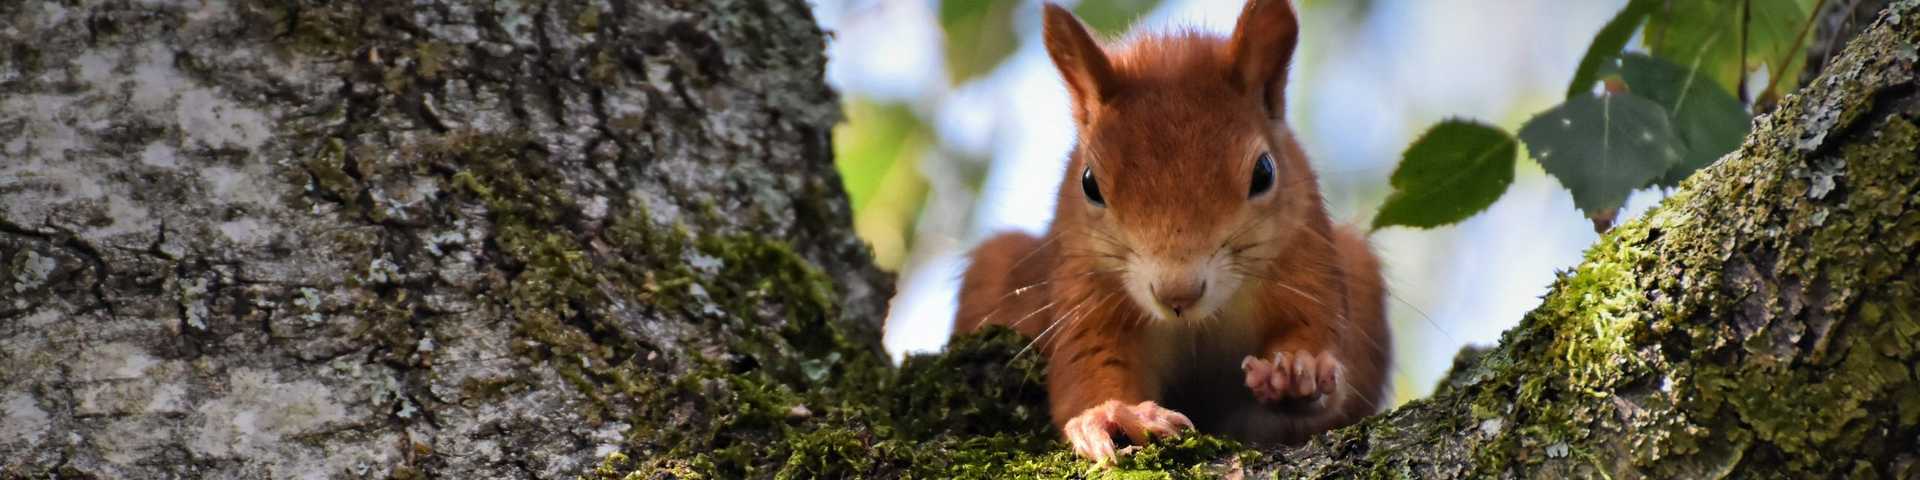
[
  {"x": 1262, "y": 47},
  {"x": 1080, "y": 59}
]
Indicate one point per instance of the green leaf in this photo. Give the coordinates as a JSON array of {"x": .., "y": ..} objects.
[
  {"x": 1456, "y": 169},
  {"x": 1708, "y": 120},
  {"x": 1707, "y": 33},
  {"x": 979, "y": 35},
  {"x": 1607, "y": 44},
  {"x": 1603, "y": 147}
]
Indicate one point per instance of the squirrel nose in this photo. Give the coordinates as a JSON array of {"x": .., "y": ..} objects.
[{"x": 1179, "y": 295}]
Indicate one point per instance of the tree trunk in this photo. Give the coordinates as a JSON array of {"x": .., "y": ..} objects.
[{"x": 281, "y": 238}]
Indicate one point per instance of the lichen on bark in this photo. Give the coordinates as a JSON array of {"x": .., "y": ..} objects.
[
  {"x": 1757, "y": 322},
  {"x": 276, "y": 238}
]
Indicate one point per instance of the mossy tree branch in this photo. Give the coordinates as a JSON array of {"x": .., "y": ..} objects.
[{"x": 1759, "y": 322}]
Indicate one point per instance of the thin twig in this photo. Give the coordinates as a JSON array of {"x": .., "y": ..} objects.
[
  {"x": 1799, "y": 41},
  {"x": 1746, "y": 23}
]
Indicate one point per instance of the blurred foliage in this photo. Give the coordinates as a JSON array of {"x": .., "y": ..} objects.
[
  {"x": 1112, "y": 17},
  {"x": 877, "y": 152},
  {"x": 980, "y": 33},
  {"x": 1707, "y": 35},
  {"x": 880, "y": 148},
  {"x": 1664, "y": 113}
]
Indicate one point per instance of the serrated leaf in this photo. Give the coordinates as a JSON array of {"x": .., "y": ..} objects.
[
  {"x": 1603, "y": 147},
  {"x": 1456, "y": 169},
  {"x": 1707, "y": 33},
  {"x": 1707, "y": 119},
  {"x": 1607, "y": 44}
]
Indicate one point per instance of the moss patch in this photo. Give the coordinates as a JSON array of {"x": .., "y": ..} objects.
[
  {"x": 794, "y": 390},
  {"x": 916, "y": 420}
]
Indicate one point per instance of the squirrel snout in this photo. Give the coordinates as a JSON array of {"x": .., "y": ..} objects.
[{"x": 1179, "y": 295}]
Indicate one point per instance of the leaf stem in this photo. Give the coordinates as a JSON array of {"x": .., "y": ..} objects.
[
  {"x": 1799, "y": 41},
  {"x": 1746, "y": 22}
]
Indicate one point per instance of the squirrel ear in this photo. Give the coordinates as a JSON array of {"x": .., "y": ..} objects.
[
  {"x": 1261, "y": 49},
  {"x": 1081, "y": 61}
]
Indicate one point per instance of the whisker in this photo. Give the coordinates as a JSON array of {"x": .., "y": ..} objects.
[
  {"x": 1416, "y": 310},
  {"x": 1042, "y": 282},
  {"x": 1302, "y": 294},
  {"x": 1371, "y": 405},
  {"x": 1030, "y": 253},
  {"x": 1423, "y": 315},
  {"x": 1064, "y": 320},
  {"x": 1016, "y": 323},
  {"x": 1074, "y": 323},
  {"x": 1030, "y": 343}
]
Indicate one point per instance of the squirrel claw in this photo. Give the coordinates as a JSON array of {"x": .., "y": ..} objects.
[
  {"x": 1299, "y": 375},
  {"x": 1091, "y": 432}
]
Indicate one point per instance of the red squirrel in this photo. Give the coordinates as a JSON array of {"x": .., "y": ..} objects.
[{"x": 1191, "y": 276}]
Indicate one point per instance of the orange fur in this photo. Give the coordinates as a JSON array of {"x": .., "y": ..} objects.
[{"x": 1170, "y": 126}]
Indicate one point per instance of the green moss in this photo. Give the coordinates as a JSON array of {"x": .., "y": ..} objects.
[
  {"x": 602, "y": 72},
  {"x": 432, "y": 57},
  {"x": 323, "y": 28},
  {"x": 1189, "y": 456},
  {"x": 328, "y": 170},
  {"x": 914, "y": 419},
  {"x": 754, "y": 270},
  {"x": 618, "y": 467},
  {"x": 1815, "y": 409},
  {"x": 1597, "y": 310},
  {"x": 1542, "y": 386},
  {"x": 588, "y": 21},
  {"x": 554, "y": 281},
  {"x": 319, "y": 27},
  {"x": 975, "y": 388}
]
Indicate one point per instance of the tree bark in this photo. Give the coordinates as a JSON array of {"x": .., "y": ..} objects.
[
  {"x": 521, "y": 239},
  {"x": 285, "y": 238},
  {"x": 1758, "y": 323}
]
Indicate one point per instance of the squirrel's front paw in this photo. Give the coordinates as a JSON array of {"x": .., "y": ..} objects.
[
  {"x": 1091, "y": 432},
  {"x": 1299, "y": 375}
]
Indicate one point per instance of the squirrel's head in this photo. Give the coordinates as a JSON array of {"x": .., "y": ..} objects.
[{"x": 1186, "y": 183}]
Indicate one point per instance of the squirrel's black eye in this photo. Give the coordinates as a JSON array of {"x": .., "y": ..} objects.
[
  {"x": 1262, "y": 176},
  {"x": 1091, "y": 187}
]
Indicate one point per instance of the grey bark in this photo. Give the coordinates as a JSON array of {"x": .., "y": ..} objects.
[{"x": 236, "y": 243}]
